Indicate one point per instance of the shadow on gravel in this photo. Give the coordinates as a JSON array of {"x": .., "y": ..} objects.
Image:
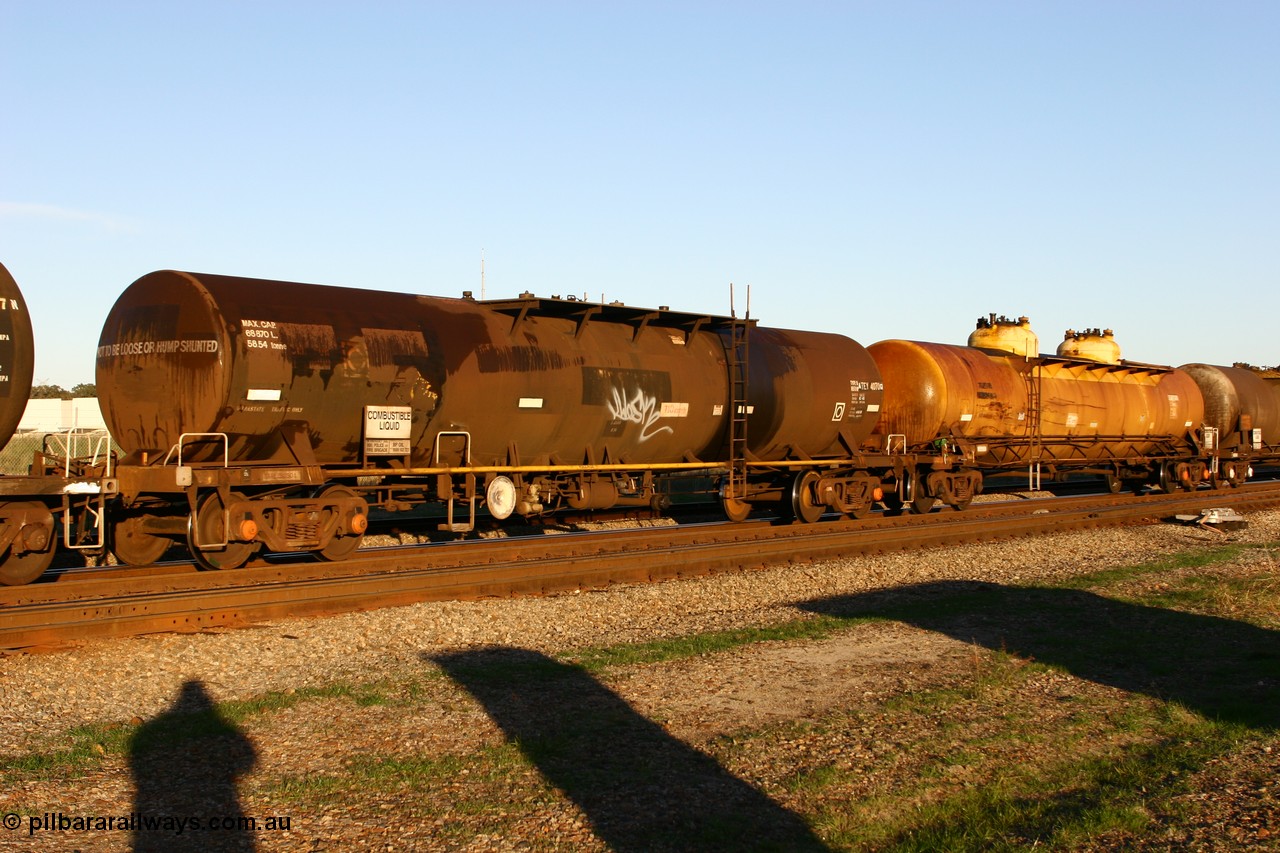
[
  {"x": 1223, "y": 669},
  {"x": 642, "y": 789},
  {"x": 185, "y": 765}
]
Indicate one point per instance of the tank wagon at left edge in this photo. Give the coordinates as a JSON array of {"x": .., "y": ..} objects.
[
  {"x": 257, "y": 415},
  {"x": 59, "y": 498}
]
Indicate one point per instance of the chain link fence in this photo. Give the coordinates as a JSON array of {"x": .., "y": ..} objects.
[{"x": 18, "y": 455}]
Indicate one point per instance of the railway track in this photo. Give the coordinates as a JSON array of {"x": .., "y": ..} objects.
[{"x": 107, "y": 603}]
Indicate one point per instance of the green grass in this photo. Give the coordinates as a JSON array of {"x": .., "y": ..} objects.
[
  {"x": 1196, "y": 558},
  {"x": 709, "y": 643},
  {"x": 1065, "y": 805},
  {"x": 986, "y": 771}
]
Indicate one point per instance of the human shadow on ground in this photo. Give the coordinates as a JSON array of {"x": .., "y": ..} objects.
[
  {"x": 642, "y": 789},
  {"x": 185, "y": 764},
  {"x": 1221, "y": 668}
]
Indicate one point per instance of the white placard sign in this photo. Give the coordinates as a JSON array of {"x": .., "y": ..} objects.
[{"x": 387, "y": 430}]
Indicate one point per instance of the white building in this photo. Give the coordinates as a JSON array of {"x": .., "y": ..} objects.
[{"x": 61, "y": 415}]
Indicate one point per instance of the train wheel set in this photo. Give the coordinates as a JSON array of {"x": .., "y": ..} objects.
[{"x": 260, "y": 416}]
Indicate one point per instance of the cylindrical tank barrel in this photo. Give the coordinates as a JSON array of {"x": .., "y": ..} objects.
[
  {"x": 17, "y": 355},
  {"x": 268, "y": 362},
  {"x": 937, "y": 390},
  {"x": 933, "y": 390},
  {"x": 1238, "y": 398}
]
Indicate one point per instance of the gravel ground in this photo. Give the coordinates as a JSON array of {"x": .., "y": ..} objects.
[
  {"x": 140, "y": 676},
  {"x": 697, "y": 700}
]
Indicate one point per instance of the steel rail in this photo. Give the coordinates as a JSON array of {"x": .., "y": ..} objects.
[{"x": 53, "y": 614}]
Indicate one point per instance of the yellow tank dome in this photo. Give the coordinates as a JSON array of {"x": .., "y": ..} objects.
[
  {"x": 1098, "y": 345},
  {"x": 1005, "y": 335}
]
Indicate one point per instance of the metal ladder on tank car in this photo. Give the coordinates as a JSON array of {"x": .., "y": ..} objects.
[
  {"x": 1034, "y": 447},
  {"x": 737, "y": 356}
]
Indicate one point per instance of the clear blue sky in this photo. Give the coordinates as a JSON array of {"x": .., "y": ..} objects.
[{"x": 891, "y": 169}]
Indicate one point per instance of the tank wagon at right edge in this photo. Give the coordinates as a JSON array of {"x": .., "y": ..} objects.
[{"x": 266, "y": 416}]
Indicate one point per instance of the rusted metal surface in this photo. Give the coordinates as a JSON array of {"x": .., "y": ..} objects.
[
  {"x": 1049, "y": 407},
  {"x": 1142, "y": 403},
  {"x": 1239, "y": 399},
  {"x": 17, "y": 355},
  {"x": 90, "y": 609},
  {"x": 286, "y": 370},
  {"x": 811, "y": 394}
]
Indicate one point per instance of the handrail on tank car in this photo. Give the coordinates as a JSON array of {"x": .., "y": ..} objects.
[
  {"x": 186, "y": 481},
  {"x": 549, "y": 469},
  {"x": 226, "y": 447},
  {"x": 70, "y": 447},
  {"x": 466, "y": 445},
  {"x": 101, "y": 447}
]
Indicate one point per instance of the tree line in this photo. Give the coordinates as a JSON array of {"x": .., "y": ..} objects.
[{"x": 57, "y": 392}]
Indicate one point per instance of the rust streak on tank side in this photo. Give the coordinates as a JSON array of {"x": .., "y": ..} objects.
[{"x": 518, "y": 359}]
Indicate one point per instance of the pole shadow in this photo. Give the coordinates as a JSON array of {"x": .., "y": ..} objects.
[
  {"x": 1221, "y": 668},
  {"x": 185, "y": 763},
  {"x": 642, "y": 789}
]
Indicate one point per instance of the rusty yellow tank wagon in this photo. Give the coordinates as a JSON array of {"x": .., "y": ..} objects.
[{"x": 1001, "y": 406}]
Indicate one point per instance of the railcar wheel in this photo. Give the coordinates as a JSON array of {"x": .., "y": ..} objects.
[
  {"x": 803, "y": 505},
  {"x": 17, "y": 569},
  {"x": 1114, "y": 483},
  {"x": 915, "y": 496},
  {"x": 735, "y": 510},
  {"x": 134, "y": 547},
  {"x": 339, "y": 547},
  {"x": 923, "y": 504},
  {"x": 209, "y": 524},
  {"x": 1185, "y": 483},
  {"x": 895, "y": 500}
]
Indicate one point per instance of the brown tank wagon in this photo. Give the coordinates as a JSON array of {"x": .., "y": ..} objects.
[
  {"x": 17, "y": 355},
  {"x": 281, "y": 410},
  {"x": 26, "y": 526},
  {"x": 1242, "y": 407},
  {"x": 54, "y": 495},
  {"x": 286, "y": 370}
]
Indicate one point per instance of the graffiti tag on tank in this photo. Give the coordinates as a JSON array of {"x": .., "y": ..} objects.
[
  {"x": 632, "y": 396},
  {"x": 638, "y": 408}
]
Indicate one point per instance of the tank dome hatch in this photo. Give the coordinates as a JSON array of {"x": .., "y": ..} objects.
[
  {"x": 1097, "y": 345},
  {"x": 1004, "y": 335}
]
